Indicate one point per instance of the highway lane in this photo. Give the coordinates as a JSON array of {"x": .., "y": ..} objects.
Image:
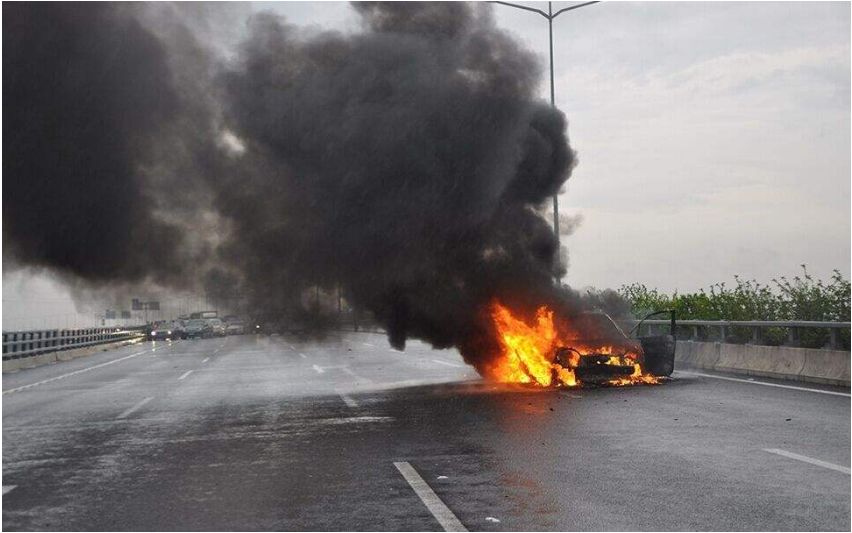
[{"x": 272, "y": 433}]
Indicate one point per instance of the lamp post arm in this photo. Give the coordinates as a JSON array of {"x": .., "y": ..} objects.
[
  {"x": 525, "y": 8},
  {"x": 564, "y": 9}
]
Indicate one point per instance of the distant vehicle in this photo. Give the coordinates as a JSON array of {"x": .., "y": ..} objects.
[
  {"x": 606, "y": 352},
  {"x": 198, "y": 328},
  {"x": 167, "y": 330},
  {"x": 217, "y": 327},
  {"x": 179, "y": 328},
  {"x": 235, "y": 328}
]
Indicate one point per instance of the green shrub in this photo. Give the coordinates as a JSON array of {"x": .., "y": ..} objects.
[{"x": 802, "y": 298}]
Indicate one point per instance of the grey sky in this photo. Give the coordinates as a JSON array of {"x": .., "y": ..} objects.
[{"x": 713, "y": 138}]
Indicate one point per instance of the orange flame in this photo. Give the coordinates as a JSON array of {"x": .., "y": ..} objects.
[{"x": 528, "y": 351}]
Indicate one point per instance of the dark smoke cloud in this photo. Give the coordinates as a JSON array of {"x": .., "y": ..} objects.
[
  {"x": 406, "y": 163},
  {"x": 85, "y": 91}
]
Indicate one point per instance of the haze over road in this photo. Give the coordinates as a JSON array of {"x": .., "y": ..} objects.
[{"x": 270, "y": 433}]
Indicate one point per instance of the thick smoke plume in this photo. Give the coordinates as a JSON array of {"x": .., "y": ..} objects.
[{"x": 405, "y": 164}]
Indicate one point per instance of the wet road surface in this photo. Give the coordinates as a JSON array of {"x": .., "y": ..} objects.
[{"x": 272, "y": 433}]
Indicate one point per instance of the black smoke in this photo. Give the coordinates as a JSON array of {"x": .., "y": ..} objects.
[
  {"x": 406, "y": 164},
  {"x": 85, "y": 90}
]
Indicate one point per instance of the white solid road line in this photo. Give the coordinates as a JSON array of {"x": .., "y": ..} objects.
[
  {"x": 318, "y": 369},
  {"x": 185, "y": 374},
  {"x": 63, "y": 376},
  {"x": 8, "y": 488},
  {"x": 348, "y": 400},
  {"x": 805, "y": 459},
  {"x": 431, "y": 500},
  {"x": 446, "y": 363},
  {"x": 135, "y": 408},
  {"x": 818, "y": 391}
]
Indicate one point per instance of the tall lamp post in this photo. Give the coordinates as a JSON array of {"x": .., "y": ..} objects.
[{"x": 550, "y": 15}]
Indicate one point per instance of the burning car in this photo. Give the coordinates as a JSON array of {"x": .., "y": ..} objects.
[
  {"x": 566, "y": 351},
  {"x": 603, "y": 353}
]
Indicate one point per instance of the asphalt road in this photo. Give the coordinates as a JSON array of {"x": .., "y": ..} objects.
[{"x": 270, "y": 433}]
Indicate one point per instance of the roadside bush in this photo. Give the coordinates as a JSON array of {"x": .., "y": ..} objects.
[{"x": 802, "y": 298}]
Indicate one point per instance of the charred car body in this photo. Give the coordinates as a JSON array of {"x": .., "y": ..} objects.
[{"x": 604, "y": 352}]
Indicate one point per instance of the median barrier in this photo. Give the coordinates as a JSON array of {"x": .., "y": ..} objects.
[
  {"x": 732, "y": 359},
  {"x": 826, "y": 366},
  {"x": 788, "y": 360},
  {"x": 783, "y": 362},
  {"x": 757, "y": 360},
  {"x": 698, "y": 354}
]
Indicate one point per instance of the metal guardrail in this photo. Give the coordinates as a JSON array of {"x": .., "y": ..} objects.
[
  {"x": 725, "y": 326},
  {"x": 22, "y": 344}
]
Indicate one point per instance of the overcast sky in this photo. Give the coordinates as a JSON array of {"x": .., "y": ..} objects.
[{"x": 713, "y": 139}]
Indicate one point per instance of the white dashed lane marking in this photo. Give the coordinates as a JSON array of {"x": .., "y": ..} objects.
[
  {"x": 348, "y": 400},
  {"x": 185, "y": 375},
  {"x": 8, "y": 488},
  {"x": 318, "y": 369},
  {"x": 439, "y": 510},
  {"x": 135, "y": 408}
]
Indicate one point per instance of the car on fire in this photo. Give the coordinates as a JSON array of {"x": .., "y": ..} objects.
[{"x": 603, "y": 352}]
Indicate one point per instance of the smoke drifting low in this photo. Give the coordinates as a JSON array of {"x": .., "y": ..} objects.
[{"x": 406, "y": 163}]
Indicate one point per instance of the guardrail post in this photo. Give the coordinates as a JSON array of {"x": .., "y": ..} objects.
[
  {"x": 792, "y": 336},
  {"x": 722, "y": 334},
  {"x": 755, "y": 335},
  {"x": 833, "y": 342},
  {"x": 695, "y": 333}
]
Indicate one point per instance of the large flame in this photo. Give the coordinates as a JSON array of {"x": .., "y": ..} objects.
[{"x": 528, "y": 351}]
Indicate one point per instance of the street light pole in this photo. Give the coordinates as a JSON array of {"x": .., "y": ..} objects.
[
  {"x": 553, "y": 105},
  {"x": 550, "y": 15}
]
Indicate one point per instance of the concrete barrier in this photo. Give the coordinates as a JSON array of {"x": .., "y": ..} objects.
[
  {"x": 827, "y": 366},
  {"x": 731, "y": 358},
  {"x": 14, "y": 365},
  {"x": 783, "y": 362},
  {"x": 698, "y": 354}
]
